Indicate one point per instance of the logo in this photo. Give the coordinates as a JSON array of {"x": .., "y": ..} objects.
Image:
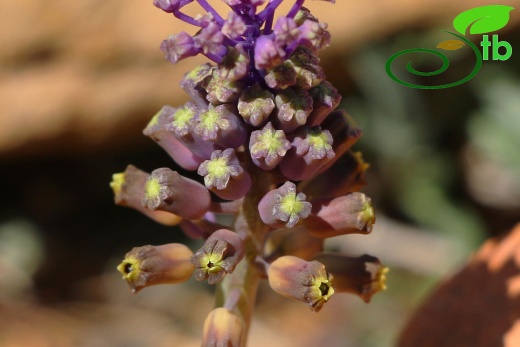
[{"x": 480, "y": 21}]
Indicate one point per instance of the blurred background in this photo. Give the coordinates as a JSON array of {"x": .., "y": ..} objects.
[{"x": 79, "y": 80}]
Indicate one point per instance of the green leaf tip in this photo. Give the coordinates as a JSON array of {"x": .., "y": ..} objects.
[{"x": 483, "y": 19}]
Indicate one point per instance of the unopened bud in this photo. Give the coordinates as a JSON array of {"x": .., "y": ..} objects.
[
  {"x": 349, "y": 214},
  {"x": 223, "y": 328}
]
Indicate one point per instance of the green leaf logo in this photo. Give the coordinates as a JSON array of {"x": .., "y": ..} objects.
[{"x": 482, "y": 20}]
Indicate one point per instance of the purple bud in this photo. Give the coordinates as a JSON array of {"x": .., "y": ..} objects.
[
  {"x": 311, "y": 148},
  {"x": 224, "y": 176},
  {"x": 179, "y": 46},
  {"x": 221, "y": 90},
  {"x": 166, "y": 190},
  {"x": 282, "y": 76},
  {"x": 255, "y": 105},
  {"x": 219, "y": 256},
  {"x": 234, "y": 26},
  {"x": 129, "y": 189},
  {"x": 306, "y": 65},
  {"x": 349, "y": 214},
  {"x": 268, "y": 146},
  {"x": 363, "y": 276},
  {"x": 209, "y": 40},
  {"x": 157, "y": 131},
  {"x": 326, "y": 99},
  {"x": 235, "y": 64},
  {"x": 221, "y": 125},
  {"x": 268, "y": 53},
  {"x": 181, "y": 123},
  {"x": 283, "y": 206},
  {"x": 192, "y": 84},
  {"x": 302, "y": 280},
  {"x": 293, "y": 106},
  {"x": 314, "y": 35},
  {"x": 286, "y": 32},
  {"x": 167, "y": 5}
]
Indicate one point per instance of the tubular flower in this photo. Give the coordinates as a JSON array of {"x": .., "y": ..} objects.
[
  {"x": 219, "y": 256},
  {"x": 276, "y": 171},
  {"x": 363, "y": 276},
  {"x": 302, "y": 280},
  {"x": 149, "y": 265}
]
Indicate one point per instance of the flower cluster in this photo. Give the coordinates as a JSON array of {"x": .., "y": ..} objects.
[{"x": 263, "y": 134}]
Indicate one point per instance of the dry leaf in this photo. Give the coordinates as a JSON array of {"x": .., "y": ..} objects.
[{"x": 451, "y": 45}]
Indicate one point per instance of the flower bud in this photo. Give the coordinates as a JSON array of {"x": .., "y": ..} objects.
[
  {"x": 223, "y": 328},
  {"x": 157, "y": 131},
  {"x": 363, "y": 276},
  {"x": 219, "y": 256},
  {"x": 311, "y": 148},
  {"x": 149, "y": 265},
  {"x": 192, "y": 84},
  {"x": 221, "y": 90},
  {"x": 128, "y": 190},
  {"x": 224, "y": 176},
  {"x": 325, "y": 99},
  {"x": 235, "y": 64},
  {"x": 349, "y": 214},
  {"x": 283, "y": 206},
  {"x": 255, "y": 105},
  {"x": 293, "y": 106},
  {"x": 179, "y": 46},
  {"x": 268, "y": 147},
  {"x": 166, "y": 190},
  {"x": 181, "y": 124},
  {"x": 221, "y": 125},
  {"x": 306, "y": 281}
]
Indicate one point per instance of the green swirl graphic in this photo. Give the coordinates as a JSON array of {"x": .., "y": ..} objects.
[{"x": 444, "y": 67}]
